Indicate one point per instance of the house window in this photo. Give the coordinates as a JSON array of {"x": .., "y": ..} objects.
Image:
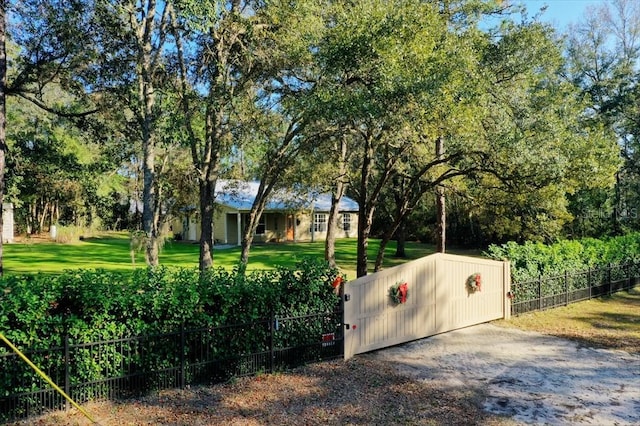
[
  {"x": 320, "y": 222},
  {"x": 262, "y": 226},
  {"x": 346, "y": 222}
]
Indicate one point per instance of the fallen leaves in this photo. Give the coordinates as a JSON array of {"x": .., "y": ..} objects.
[{"x": 360, "y": 391}]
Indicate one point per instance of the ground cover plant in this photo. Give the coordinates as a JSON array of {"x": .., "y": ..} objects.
[{"x": 362, "y": 390}]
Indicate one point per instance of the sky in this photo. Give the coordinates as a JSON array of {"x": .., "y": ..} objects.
[{"x": 560, "y": 13}]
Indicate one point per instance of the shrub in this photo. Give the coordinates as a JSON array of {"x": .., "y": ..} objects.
[
  {"x": 38, "y": 311},
  {"x": 532, "y": 260}
]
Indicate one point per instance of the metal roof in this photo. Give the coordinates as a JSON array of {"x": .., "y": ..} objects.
[{"x": 240, "y": 195}]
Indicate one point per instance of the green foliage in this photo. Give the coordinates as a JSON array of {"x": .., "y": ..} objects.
[
  {"x": 38, "y": 311},
  {"x": 532, "y": 260},
  {"x": 540, "y": 146},
  {"x": 98, "y": 304}
]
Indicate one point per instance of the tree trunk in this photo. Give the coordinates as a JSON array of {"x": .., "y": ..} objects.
[
  {"x": 205, "y": 160},
  {"x": 332, "y": 223},
  {"x": 148, "y": 204},
  {"x": 441, "y": 218},
  {"x": 207, "y": 194},
  {"x": 3, "y": 120},
  {"x": 380, "y": 256},
  {"x": 257, "y": 209},
  {"x": 249, "y": 231},
  {"x": 365, "y": 214},
  {"x": 401, "y": 234},
  {"x": 146, "y": 95},
  {"x": 45, "y": 209},
  {"x": 388, "y": 234},
  {"x": 330, "y": 242},
  {"x": 363, "y": 244},
  {"x": 441, "y": 215},
  {"x": 247, "y": 238},
  {"x": 615, "y": 217}
]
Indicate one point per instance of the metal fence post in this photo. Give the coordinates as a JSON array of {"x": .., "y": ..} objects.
[
  {"x": 566, "y": 287},
  {"x": 67, "y": 362},
  {"x": 540, "y": 293},
  {"x": 272, "y": 355},
  {"x": 589, "y": 281},
  {"x": 182, "y": 360},
  {"x": 609, "y": 277}
]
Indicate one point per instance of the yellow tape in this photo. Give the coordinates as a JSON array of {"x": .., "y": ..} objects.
[{"x": 44, "y": 376}]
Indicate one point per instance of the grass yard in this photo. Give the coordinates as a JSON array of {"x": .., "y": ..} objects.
[
  {"x": 608, "y": 322},
  {"x": 112, "y": 252}
]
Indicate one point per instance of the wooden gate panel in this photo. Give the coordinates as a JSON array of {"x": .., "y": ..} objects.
[
  {"x": 378, "y": 322},
  {"x": 438, "y": 301},
  {"x": 457, "y": 306}
]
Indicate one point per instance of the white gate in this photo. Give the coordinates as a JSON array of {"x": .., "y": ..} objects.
[{"x": 439, "y": 299}]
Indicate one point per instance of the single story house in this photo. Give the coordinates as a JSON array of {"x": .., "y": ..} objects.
[{"x": 288, "y": 215}]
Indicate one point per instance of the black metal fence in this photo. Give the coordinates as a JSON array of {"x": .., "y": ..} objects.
[
  {"x": 131, "y": 366},
  {"x": 560, "y": 290}
]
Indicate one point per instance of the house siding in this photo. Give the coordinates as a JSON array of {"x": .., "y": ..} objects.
[
  {"x": 288, "y": 216},
  {"x": 225, "y": 229},
  {"x": 305, "y": 233}
]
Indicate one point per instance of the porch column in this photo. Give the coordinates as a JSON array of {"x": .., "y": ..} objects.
[
  {"x": 226, "y": 228},
  {"x": 239, "y": 219},
  {"x": 313, "y": 225}
]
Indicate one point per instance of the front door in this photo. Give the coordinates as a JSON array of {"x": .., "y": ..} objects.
[{"x": 290, "y": 227}]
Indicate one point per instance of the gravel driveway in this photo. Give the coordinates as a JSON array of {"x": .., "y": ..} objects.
[{"x": 533, "y": 378}]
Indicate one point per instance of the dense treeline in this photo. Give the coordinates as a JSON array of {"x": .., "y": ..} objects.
[{"x": 435, "y": 116}]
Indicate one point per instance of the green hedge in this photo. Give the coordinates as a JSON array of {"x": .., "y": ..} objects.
[
  {"x": 90, "y": 305},
  {"x": 532, "y": 260},
  {"x": 37, "y": 311}
]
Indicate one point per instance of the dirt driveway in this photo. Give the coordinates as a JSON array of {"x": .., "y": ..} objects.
[{"x": 533, "y": 378}]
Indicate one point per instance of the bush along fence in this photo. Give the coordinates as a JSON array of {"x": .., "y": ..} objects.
[
  {"x": 552, "y": 291},
  {"x": 122, "y": 368},
  {"x": 104, "y": 335}
]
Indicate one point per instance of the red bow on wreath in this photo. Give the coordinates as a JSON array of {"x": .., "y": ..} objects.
[
  {"x": 402, "y": 292},
  {"x": 336, "y": 283},
  {"x": 478, "y": 282}
]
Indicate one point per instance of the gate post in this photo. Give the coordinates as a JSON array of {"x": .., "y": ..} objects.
[
  {"x": 341, "y": 307},
  {"x": 506, "y": 283},
  {"x": 347, "y": 319}
]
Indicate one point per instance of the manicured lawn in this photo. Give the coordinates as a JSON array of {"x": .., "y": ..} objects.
[{"x": 112, "y": 252}]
